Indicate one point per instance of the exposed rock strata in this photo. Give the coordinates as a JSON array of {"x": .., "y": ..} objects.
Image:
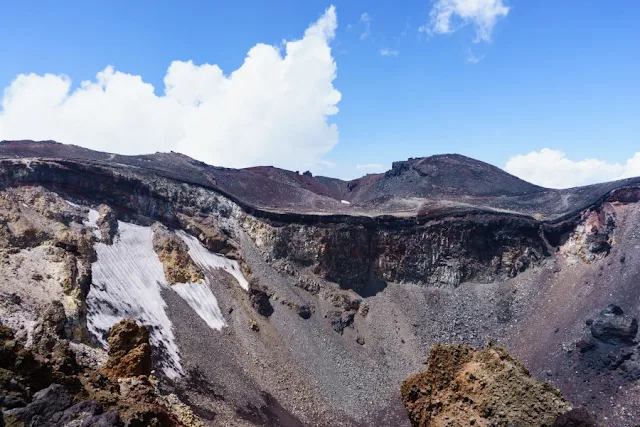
[{"x": 439, "y": 253}]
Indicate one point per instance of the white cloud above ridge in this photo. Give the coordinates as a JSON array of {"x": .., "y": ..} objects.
[
  {"x": 274, "y": 109},
  {"x": 550, "y": 168},
  {"x": 447, "y": 16}
]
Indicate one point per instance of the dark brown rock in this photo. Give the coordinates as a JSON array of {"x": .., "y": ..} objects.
[
  {"x": 304, "y": 311},
  {"x": 577, "y": 417},
  {"x": 260, "y": 302}
]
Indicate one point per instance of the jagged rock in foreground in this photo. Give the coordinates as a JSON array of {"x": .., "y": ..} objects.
[
  {"x": 35, "y": 392},
  {"x": 486, "y": 387}
]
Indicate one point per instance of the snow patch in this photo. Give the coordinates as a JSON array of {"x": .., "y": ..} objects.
[
  {"x": 75, "y": 205},
  {"x": 208, "y": 260},
  {"x": 344, "y": 202},
  {"x": 202, "y": 301},
  {"x": 128, "y": 279}
]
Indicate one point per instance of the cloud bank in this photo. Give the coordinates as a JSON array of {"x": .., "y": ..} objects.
[
  {"x": 550, "y": 168},
  {"x": 274, "y": 109},
  {"x": 447, "y": 16}
]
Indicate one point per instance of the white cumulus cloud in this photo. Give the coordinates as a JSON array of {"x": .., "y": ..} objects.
[
  {"x": 274, "y": 109},
  {"x": 447, "y": 16},
  {"x": 550, "y": 168}
]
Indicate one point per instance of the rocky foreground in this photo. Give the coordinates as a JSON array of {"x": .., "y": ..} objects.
[{"x": 53, "y": 389}]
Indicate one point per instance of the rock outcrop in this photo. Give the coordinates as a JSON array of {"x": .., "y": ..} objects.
[
  {"x": 436, "y": 253},
  {"x": 129, "y": 350},
  {"x": 486, "y": 387}
]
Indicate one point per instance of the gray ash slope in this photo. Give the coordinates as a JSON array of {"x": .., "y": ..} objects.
[{"x": 345, "y": 301}]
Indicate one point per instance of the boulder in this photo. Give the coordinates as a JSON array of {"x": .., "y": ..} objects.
[
  {"x": 613, "y": 326},
  {"x": 53, "y": 407},
  {"x": 45, "y": 404},
  {"x": 304, "y": 311},
  {"x": 341, "y": 320},
  {"x": 260, "y": 302},
  {"x": 577, "y": 417}
]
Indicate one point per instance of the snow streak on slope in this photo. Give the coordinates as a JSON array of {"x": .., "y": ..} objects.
[
  {"x": 127, "y": 282},
  {"x": 207, "y": 260},
  {"x": 202, "y": 301}
]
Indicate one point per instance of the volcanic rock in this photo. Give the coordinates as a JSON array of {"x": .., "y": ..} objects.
[
  {"x": 612, "y": 326},
  {"x": 260, "y": 302},
  {"x": 46, "y": 402},
  {"x": 488, "y": 385},
  {"x": 341, "y": 320},
  {"x": 304, "y": 311},
  {"x": 174, "y": 255},
  {"x": 107, "y": 223},
  {"x": 577, "y": 417},
  {"x": 440, "y": 249}
]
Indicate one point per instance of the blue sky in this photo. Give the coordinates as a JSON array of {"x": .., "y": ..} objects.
[{"x": 561, "y": 75}]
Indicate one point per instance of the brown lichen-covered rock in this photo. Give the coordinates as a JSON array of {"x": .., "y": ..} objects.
[
  {"x": 129, "y": 350},
  {"x": 174, "y": 255},
  {"x": 463, "y": 386}
]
